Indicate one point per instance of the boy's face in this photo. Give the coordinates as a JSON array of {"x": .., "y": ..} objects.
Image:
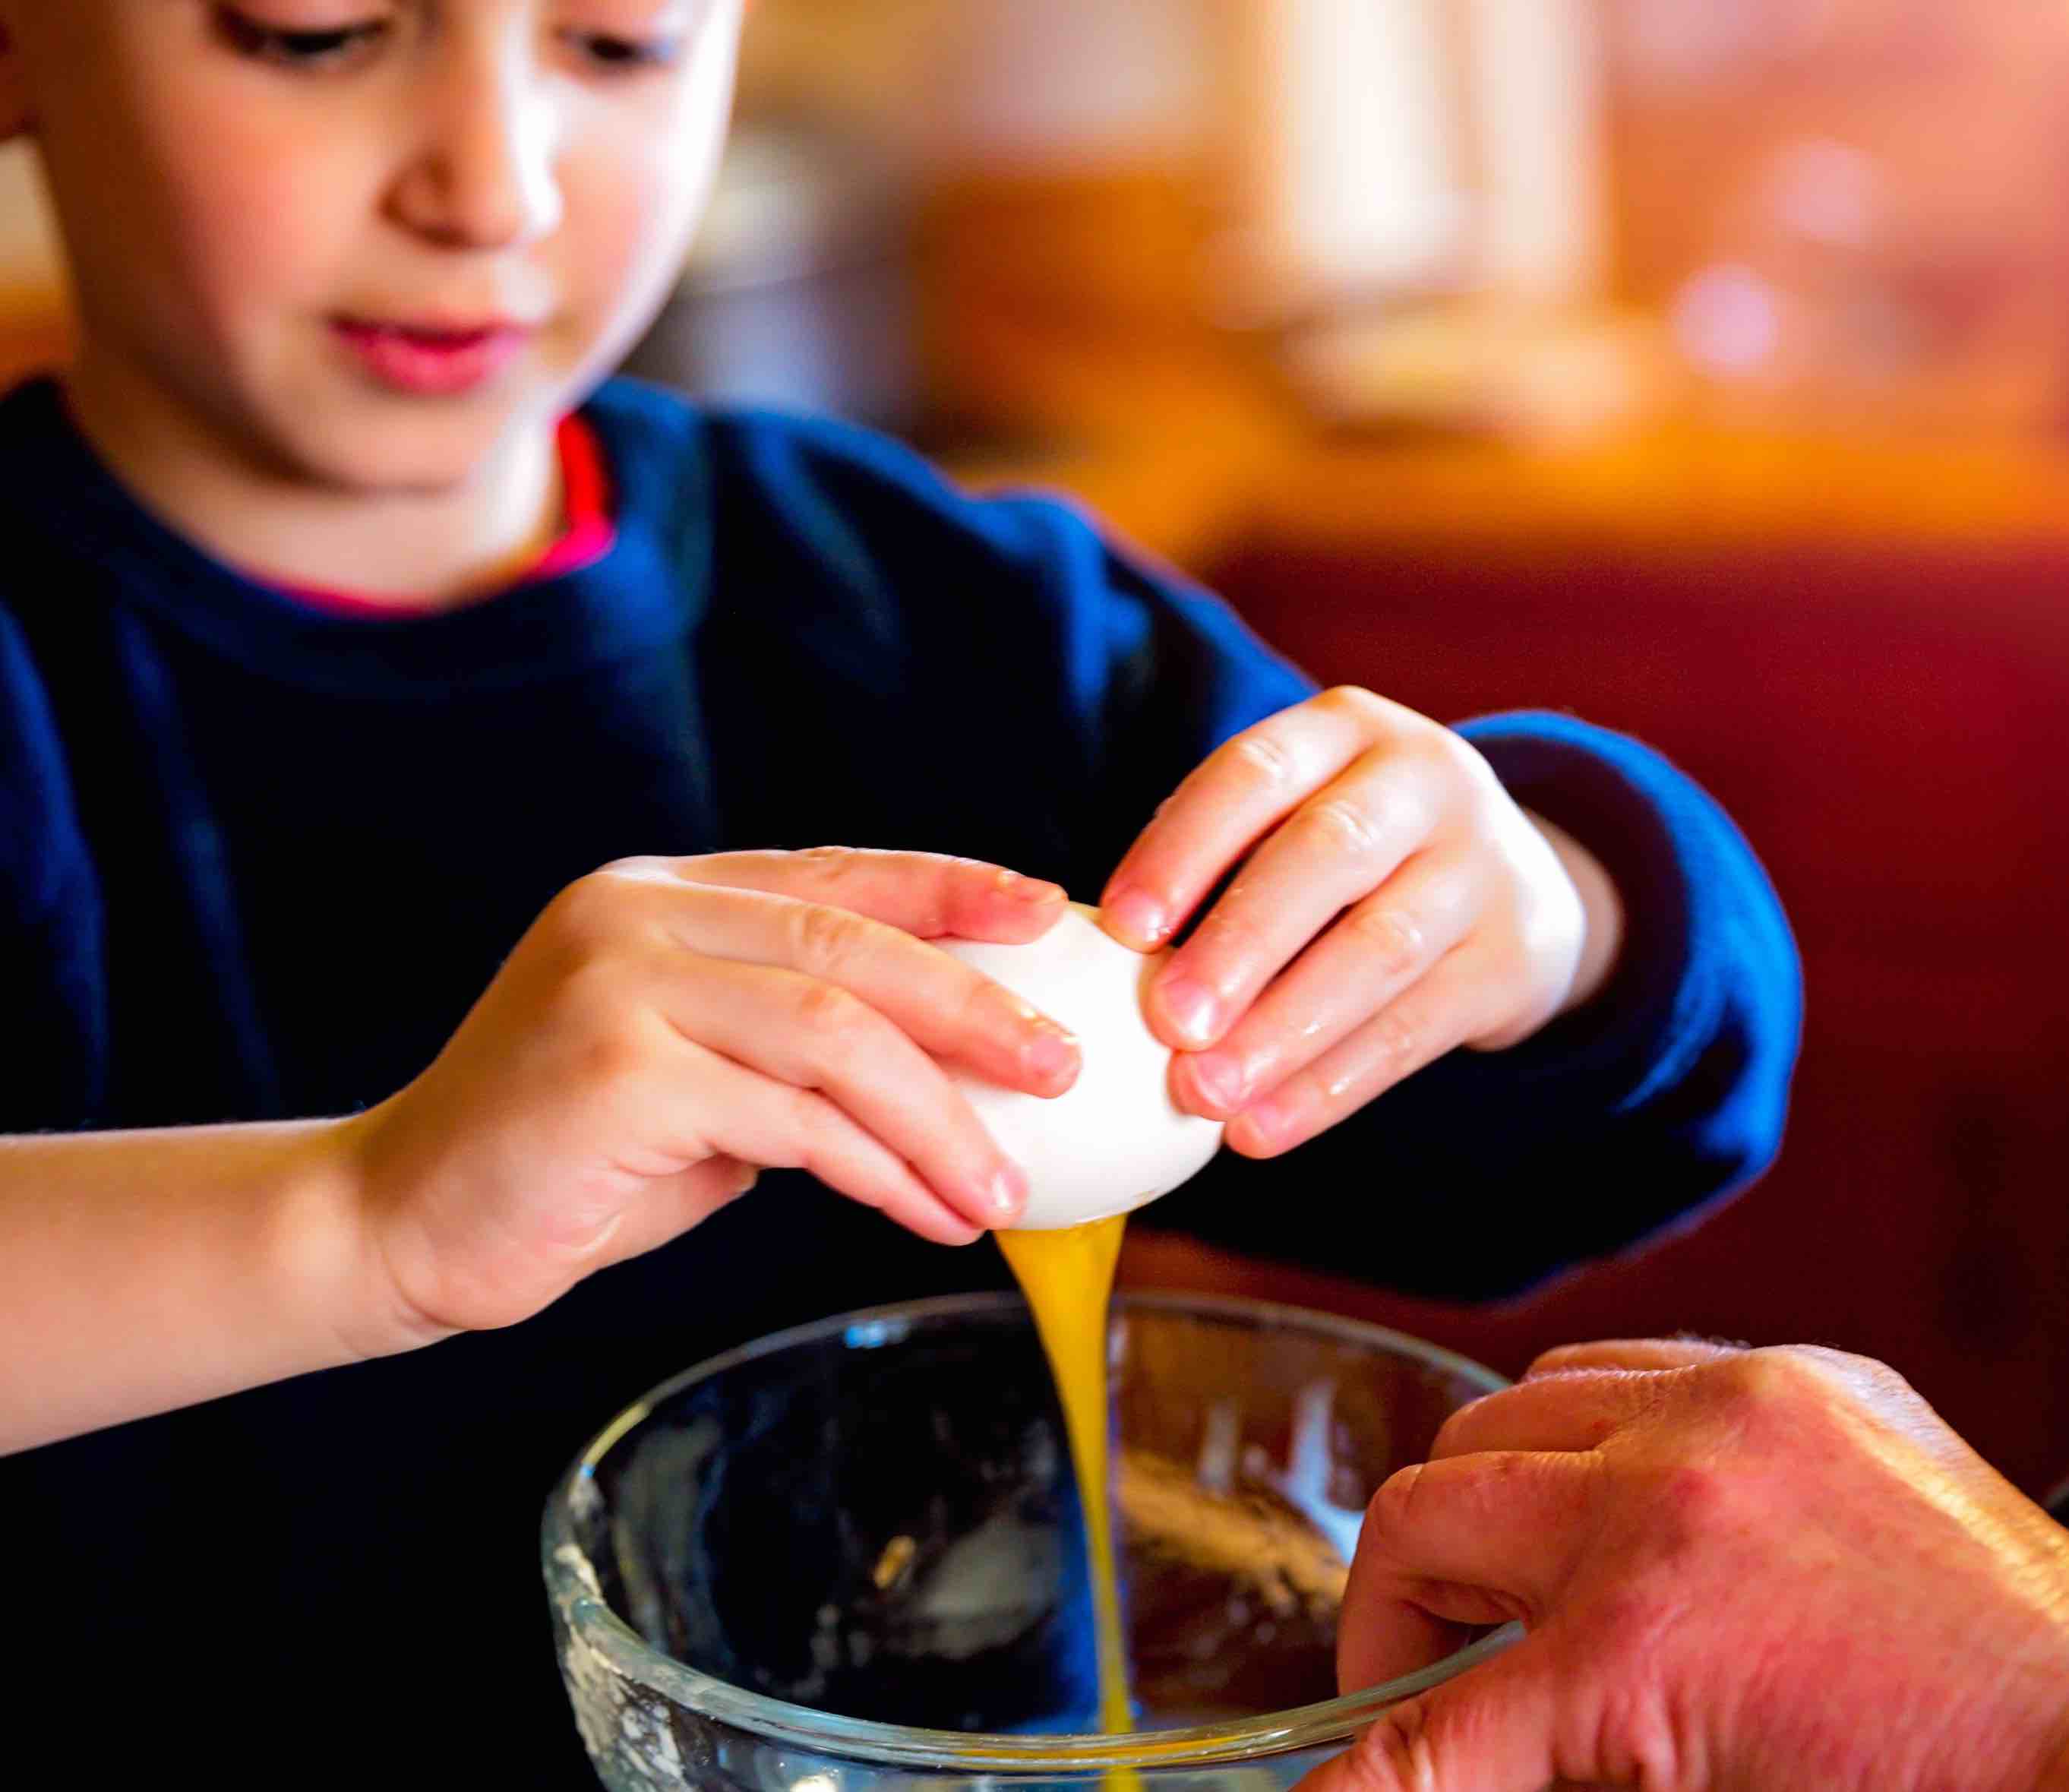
[{"x": 365, "y": 240}]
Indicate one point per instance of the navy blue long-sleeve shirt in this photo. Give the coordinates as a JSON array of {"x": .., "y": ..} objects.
[{"x": 257, "y": 859}]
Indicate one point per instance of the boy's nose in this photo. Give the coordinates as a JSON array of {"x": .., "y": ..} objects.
[{"x": 483, "y": 177}]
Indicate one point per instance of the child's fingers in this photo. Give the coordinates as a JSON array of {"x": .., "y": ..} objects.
[
  {"x": 928, "y": 895},
  {"x": 667, "y": 1206},
  {"x": 1338, "y": 846},
  {"x": 760, "y": 1120},
  {"x": 948, "y": 1007},
  {"x": 1438, "y": 1013},
  {"x": 1369, "y": 957},
  {"x": 815, "y": 1035},
  {"x": 1229, "y": 802}
]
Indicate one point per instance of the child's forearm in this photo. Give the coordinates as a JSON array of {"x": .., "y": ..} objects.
[{"x": 140, "y": 1272}]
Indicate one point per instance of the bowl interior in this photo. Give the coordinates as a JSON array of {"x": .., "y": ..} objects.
[{"x": 876, "y": 1517}]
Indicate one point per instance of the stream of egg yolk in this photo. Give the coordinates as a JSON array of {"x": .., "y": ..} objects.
[{"x": 1068, "y": 1277}]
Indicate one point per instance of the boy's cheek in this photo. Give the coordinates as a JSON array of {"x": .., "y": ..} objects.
[
  {"x": 251, "y": 224},
  {"x": 628, "y": 230}
]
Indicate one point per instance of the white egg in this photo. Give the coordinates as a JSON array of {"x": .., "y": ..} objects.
[{"x": 1116, "y": 1139}]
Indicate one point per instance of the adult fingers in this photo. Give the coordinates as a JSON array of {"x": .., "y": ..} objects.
[
  {"x": 1575, "y": 1410},
  {"x": 1381, "y": 1639},
  {"x": 1634, "y": 1353},
  {"x": 1493, "y": 1729},
  {"x": 1508, "y": 1523}
]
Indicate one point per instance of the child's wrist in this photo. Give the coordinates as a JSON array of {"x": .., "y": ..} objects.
[
  {"x": 335, "y": 1253},
  {"x": 1601, "y": 909}
]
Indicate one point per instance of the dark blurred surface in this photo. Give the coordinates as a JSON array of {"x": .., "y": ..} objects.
[{"x": 1890, "y": 726}]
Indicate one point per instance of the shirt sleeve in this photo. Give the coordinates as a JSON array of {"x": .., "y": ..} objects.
[
  {"x": 1029, "y": 692},
  {"x": 1488, "y": 1171}
]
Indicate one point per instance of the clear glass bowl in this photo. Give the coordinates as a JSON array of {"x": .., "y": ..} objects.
[{"x": 850, "y": 1555}]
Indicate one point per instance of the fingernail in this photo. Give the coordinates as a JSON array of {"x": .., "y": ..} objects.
[
  {"x": 1192, "y": 1007},
  {"x": 1007, "y": 1193},
  {"x": 1139, "y": 918},
  {"x": 1033, "y": 891},
  {"x": 1222, "y": 1080},
  {"x": 1050, "y": 1053}
]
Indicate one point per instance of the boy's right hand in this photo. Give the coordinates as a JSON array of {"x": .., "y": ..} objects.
[{"x": 669, "y": 1026}]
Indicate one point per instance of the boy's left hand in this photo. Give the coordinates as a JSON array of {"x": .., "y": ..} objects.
[{"x": 1394, "y": 902}]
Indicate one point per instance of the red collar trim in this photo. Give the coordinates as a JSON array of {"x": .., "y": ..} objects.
[{"x": 586, "y": 536}]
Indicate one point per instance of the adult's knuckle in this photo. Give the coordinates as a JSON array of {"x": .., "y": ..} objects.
[
  {"x": 1467, "y": 1417},
  {"x": 1689, "y": 1501},
  {"x": 1394, "y": 1503},
  {"x": 1758, "y": 1384},
  {"x": 1562, "y": 1359},
  {"x": 1859, "y": 1375}
]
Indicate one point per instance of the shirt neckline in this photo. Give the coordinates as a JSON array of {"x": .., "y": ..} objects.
[
  {"x": 587, "y": 533},
  {"x": 643, "y": 592}
]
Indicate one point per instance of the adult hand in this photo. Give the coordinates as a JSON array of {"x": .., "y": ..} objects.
[{"x": 1771, "y": 1570}]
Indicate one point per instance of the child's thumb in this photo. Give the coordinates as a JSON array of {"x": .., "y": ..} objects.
[
  {"x": 1490, "y": 1730},
  {"x": 670, "y": 1205}
]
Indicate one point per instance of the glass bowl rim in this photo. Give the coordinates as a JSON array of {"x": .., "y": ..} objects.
[{"x": 571, "y": 1583}]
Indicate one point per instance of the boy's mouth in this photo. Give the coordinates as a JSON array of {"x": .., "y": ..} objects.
[{"x": 435, "y": 360}]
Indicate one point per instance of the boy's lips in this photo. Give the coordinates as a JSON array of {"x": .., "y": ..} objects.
[{"x": 434, "y": 359}]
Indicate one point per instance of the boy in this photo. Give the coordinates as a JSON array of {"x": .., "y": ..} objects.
[{"x": 347, "y": 632}]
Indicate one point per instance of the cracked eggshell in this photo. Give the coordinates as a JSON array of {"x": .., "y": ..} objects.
[{"x": 1116, "y": 1139}]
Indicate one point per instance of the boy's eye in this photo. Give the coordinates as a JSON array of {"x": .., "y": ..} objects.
[
  {"x": 616, "y": 55},
  {"x": 332, "y": 47}
]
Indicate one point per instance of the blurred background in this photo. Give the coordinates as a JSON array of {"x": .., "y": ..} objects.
[{"x": 1699, "y": 365}]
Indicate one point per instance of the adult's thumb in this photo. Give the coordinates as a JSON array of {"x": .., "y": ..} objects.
[{"x": 1490, "y": 1730}]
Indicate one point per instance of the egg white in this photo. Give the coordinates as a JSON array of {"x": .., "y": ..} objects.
[{"x": 1116, "y": 1139}]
